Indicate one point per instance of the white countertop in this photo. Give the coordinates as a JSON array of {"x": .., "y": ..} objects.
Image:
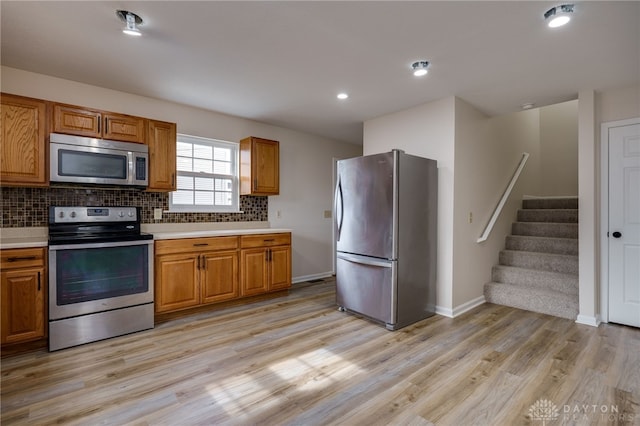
[
  {"x": 11, "y": 238},
  {"x": 23, "y": 237},
  {"x": 216, "y": 233}
]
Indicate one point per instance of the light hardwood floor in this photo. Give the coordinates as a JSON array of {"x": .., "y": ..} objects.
[{"x": 297, "y": 360}]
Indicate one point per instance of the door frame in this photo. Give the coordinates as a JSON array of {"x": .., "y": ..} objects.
[{"x": 604, "y": 211}]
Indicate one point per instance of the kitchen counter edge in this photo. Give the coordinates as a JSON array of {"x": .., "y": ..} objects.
[{"x": 42, "y": 241}]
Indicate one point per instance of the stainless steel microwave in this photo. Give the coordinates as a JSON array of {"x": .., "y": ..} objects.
[{"x": 77, "y": 159}]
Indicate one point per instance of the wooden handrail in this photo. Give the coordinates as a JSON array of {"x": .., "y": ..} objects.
[{"x": 503, "y": 200}]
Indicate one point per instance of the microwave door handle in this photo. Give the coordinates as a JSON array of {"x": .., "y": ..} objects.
[{"x": 131, "y": 176}]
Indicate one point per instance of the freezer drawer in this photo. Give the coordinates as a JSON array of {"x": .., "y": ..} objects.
[{"x": 366, "y": 286}]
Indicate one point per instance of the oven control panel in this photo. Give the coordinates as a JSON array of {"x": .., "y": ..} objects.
[{"x": 92, "y": 214}]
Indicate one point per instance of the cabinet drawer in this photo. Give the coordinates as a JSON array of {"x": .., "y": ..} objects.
[
  {"x": 189, "y": 245},
  {"x": 265, "y": 240},
  {"x": 22, "y": 258}
]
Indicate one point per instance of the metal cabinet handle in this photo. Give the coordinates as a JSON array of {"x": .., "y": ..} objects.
[
  {"x": 198, "y": 262},
  {"x": 200, "y": 244},
  {"x": 39, "y": 281},
  {"x": 268, "y": 240},
  {"x": 17, "y": 258},
  {"x": 255, "y": 184}
]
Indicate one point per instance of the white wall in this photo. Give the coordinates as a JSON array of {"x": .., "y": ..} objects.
[
  {"x": 595, "y": 109},
  {"x": 428, "y": 131},
  {"x": 305, "y": 160},
  {"x": 559, "y": 149},
  {"x": 477, "y": 156}
]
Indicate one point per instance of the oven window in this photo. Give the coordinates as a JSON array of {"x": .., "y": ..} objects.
[
  {"x": 87, "y": 164},
  {"x": 101, "y": 273}
]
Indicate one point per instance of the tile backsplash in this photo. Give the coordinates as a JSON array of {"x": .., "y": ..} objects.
[{"x": 26, "y": 207}]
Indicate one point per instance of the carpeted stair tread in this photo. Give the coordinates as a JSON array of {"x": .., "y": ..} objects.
[
  {"x": 533, "y": 299},
  {"x": 557, "y": 281},
  {"x": 545, "y": 229},
  {"x": 550, "y": 203},
  {"x": 542, "y": 244},
  {"x": 563, "y": 263},
  {"x": 548, "y": 215},
  {"x": 538, "y": 270}
]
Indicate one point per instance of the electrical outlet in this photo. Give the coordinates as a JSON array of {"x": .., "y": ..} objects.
[
  {"x": 157, "y": 214},
  {"x": 470, "y": 217},
  {"x": 278, "y": 214},
  {"x": 327, "y": 214}
]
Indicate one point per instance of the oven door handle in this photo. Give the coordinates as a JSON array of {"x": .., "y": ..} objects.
[{"x": 100, "y": 245}]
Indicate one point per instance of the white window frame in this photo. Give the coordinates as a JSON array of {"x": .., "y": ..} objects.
[{"x": 235, "y": 181}]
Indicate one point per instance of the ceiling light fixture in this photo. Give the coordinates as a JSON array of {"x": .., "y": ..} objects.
[
  {"x": 527, "y": 105},
  {"x": 420, "y": 68},
  {"x": 559, "y": 15},
  {"x": 342, "y": 96},
  {"x": 131, "y": 20}
]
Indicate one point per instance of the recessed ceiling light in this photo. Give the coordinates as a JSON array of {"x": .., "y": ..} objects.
[
  {"x": 527, "y": 105},
  {"x": 342, "y": 96},
  {"x": 420, "y": 68},
  {"x": 559, "y": 15},
  {"x": 131, "y": 21}
]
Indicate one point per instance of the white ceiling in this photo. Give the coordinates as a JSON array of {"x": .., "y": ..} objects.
[{"x": 283, "y": 63}]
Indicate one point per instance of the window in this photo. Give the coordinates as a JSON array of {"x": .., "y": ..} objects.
[{"x": 207, "y": 176}]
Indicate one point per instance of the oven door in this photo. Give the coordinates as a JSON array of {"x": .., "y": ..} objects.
[{"x": 97, "y": 277}]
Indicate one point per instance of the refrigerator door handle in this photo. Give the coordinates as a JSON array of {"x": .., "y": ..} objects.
[
  {"x": 365, "y": 260},
  {"x": 339, "y": 211}
]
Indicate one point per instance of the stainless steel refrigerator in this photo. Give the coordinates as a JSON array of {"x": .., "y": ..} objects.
[{"x": 385, "y": 223}]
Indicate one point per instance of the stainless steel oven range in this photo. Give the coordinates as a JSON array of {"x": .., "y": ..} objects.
[{"x": 100, "y": 274}]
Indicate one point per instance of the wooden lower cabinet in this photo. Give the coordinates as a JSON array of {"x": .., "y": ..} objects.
[
  {"x": 197, "y": 271},
  {"x": 265, "y": 263},
  {"x": 23, "y": 290},
  {"x": 177, "y": 279},
  {"x": 219, "y": 276}
]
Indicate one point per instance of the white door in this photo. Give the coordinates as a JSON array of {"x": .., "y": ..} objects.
[{"x": 624, "y": 225}]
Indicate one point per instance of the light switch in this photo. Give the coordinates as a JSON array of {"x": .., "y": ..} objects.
[
  {"x": 157, "y": 213},
  {"x": 327, "y": 214}
]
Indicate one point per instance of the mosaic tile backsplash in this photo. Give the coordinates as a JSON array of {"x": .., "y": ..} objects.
[{"x": 26, "y": 207}]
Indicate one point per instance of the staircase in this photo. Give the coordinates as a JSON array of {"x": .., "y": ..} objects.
[{"x": 538, "y": 270}]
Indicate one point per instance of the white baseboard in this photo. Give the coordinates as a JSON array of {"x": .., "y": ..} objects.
[
  {"x": 589, "y": 320},
  {"x": 461, "y": 309},
  {"x": 445, "y": 312},
  {"x": 304, "y": 278}
]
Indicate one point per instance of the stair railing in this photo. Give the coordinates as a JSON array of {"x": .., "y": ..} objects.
[{"x": 503, "y": 200}]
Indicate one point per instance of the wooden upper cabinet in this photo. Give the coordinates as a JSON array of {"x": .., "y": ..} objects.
[
  {"x": 259, "y": 166},
  {"x": 23, "y": 145},
  {"x": 79, "y": 121},
  {"x": 162, "y": 156},
  {"x": 122, "y": 127}
]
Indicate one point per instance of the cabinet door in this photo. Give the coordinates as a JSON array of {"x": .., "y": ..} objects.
[
  {"x": 254, "y": 274},
  {"x": 265, "y": 165},
  {"x": 77, "y": 121},
  {"x": 125, "y": 128},
  {"x": 22, "y": 305},
  {"x": 23, "y": 155},
  {"x": 259, "y": 166},
  {"x": 176, "y": 282},
  {"x": 279, "y": 268},
  {"x": 219, "y": 276},
  {"x": 162, "y": 156}
]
